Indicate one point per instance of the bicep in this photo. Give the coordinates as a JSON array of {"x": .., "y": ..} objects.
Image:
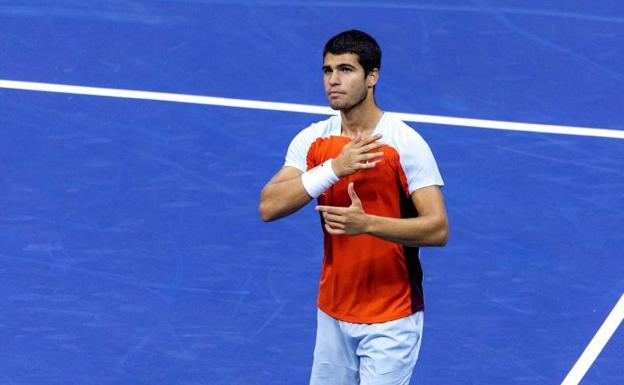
[{"x": 429, "y": 202}]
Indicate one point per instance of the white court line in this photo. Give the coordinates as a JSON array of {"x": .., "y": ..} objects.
[
  {"x": 596, "y": 345},
  {"x": 305, "y": 108}
]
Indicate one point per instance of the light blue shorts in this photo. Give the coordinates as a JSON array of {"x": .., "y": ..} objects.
[{"x": 366, "y": 354}]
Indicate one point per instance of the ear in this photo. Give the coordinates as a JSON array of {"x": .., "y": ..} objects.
[{"x": 372, "y": 78}]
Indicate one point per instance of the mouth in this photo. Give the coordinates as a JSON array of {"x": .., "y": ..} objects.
[{"x": 334, "y": 93}]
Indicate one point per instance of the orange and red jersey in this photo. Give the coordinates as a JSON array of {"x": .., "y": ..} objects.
[{"x": 366, "y": 279}]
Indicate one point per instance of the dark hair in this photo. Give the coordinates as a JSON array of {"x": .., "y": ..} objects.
[{"x": 357, "y": 42}]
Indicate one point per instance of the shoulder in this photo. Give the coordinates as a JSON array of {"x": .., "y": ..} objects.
[
  {"x": 299, "y": 148},
  {"x": 415, "y": 156},
  {"x": 315, "y": 131},
  {"x": 396, "y": 133},
  {"x": 320, "y": 129}
]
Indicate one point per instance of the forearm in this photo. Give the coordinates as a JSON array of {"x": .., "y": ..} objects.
[
  {"x": 282, "y": 198},
  {"x": 414, "y": 232},
  {"x": 286, "y": 193}
]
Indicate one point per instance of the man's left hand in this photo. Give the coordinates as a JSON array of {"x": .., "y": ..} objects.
[{"x": 350, "y": 220}]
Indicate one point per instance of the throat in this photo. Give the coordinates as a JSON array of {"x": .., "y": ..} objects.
[{"x": 363, "y": 124}]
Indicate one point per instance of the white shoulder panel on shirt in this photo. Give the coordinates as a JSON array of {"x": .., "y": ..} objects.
[
  {"x": 300, "y": 145},
  {"x": 419, "y": 165}
]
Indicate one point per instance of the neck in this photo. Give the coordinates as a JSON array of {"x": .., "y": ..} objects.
[{"x": 362, "y": 118}]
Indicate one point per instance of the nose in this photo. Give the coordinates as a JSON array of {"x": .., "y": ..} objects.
[{"x": 334, "y": 78}]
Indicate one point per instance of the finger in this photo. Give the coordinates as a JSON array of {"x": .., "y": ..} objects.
[
  {"x": 369, "y": 139},
  {"x": 367, "y": 157},
  {"x": 334, "y": 231},
  {"x": 371, "y": 146},
  {"x": 331, "y": 209},
  {"x": 367, "y": 165},
  {"x": 355, "y": 141},
  {"x": 335, "y": 225},
  {"x": 333, "y": 218},
  {"x": 354, "y": 198}
]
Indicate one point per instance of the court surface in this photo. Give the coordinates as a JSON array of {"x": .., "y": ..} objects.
[{"x": 133, "y": 252}]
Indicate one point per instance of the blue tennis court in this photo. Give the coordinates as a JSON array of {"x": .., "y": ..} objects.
[{"x": 133, "y": 252}]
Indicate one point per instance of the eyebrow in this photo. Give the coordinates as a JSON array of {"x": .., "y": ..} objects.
[{"x": 341, "y": 65}]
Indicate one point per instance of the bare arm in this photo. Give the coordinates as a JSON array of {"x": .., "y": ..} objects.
[
  {"x": 430, "y": 228},
  {"x": 283, "y": 195}
]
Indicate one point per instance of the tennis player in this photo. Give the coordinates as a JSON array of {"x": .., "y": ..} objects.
[{"x": 379, "y": 199}]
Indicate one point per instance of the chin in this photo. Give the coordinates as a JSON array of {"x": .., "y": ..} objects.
[{"x": 336, "y": 106}]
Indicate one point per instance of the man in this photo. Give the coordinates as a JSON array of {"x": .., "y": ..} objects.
[{"x": 378, "y": 188}]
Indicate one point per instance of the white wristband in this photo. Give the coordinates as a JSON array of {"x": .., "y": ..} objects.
[{"x": 319, "y": 179}]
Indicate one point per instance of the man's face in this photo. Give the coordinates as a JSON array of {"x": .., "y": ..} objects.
[{"x": 345, "y": 83}]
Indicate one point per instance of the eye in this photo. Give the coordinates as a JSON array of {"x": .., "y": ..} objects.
[
  {"x": 327, "y": 71},
  {"x": 347, "y": 69}
]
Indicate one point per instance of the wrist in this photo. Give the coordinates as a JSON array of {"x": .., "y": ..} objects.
[
  {"x": 319, "y": 179},
  {"x": 370, "y": 224},
  {"x": 335, "y": 166}
]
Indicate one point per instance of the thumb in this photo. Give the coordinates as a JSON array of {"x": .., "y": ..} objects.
[{"x": 355, "y": 200}]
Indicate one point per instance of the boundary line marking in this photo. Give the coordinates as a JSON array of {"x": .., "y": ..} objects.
[
  {"x": 604, "y": 334},
  {"x": 306, "y": 108}
]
